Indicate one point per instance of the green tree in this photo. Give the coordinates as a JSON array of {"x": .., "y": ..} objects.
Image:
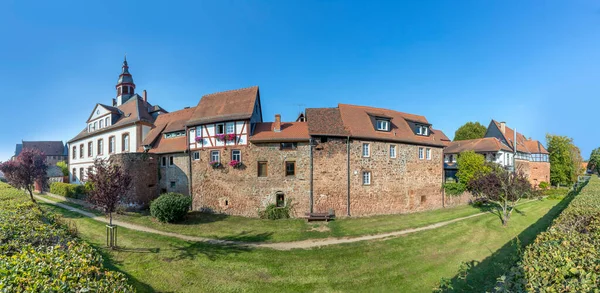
[
  {"x": 471, "y": 130},
  {"x": 564, "y": 157},
  {"x": 594, "y": 162},
  {"x": 470, "y": 166},
  {"x": 64, "y": 168}
]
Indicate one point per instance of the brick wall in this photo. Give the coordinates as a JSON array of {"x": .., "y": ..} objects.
[
  {"x": 175, "y": 178},
  {"x": 241, "y": 191},
  {"x": 143, "y": 169},
  {"x": 535, "y": 171}
]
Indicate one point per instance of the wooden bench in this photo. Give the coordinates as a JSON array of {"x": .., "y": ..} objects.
[{"x": 319, "y": 216}]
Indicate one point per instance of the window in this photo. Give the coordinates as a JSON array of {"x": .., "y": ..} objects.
[
  {"x": 74, "y": 175},
  {"x": 111, "y": 144},
  {"x": 196, "y": 156},
  {"x": 100, "y": 147},
  {"x": 173, "y": 184},
  {"x": 392, "y": 151},
  {"x": 89, "y": 172},
  {"x": 236, "y": 155},
  {"x": 106, "y": 121},
  {"x": 421, "y": 155},
  {"x": 262, "y": 169},
  {"x": 74, "y": 152},
  {"x": 80, "y": 174},
  {"x": 90, "y": 127},
  {"x": 95, "y": 125},
  {"x": 101, "y": 123},
  {"x": 163, "y": 161},
  {"x": 215, "y": 156},
  {"x": 366, "y": 151},
  {"x": 423, "y": 198},
  {"x": 288, "y": 146},
  {"x": 428, "y": 153},
  {"x": 171, "y": 161},
  {"x": 90, "y": 149},
  {"x": 174, "y": 134},
  {"x": 220, "y": 128},
  {"x": 383, "y": 125},
  {"x": 125, "y": 140},
  {"x": 447, "y": 158},
  {"x": 324, "y": 139},
  {"x": 422, "y": 130},
  {"x": 279, "y": 199},
  {"x": 230, "y": 127},
  {"x": 81, "y": 151},
  {"x": 290, "y": 168},
  {"x": 366, "y": 178}
]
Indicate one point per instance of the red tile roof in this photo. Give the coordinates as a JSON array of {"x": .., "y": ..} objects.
[
  {"x": 523, "y": 144},
  {"x": 229, "y": 105},
  {"x": 290, "y": 131},
  {"x": 535, "y": 147},
  {"x": 486, "y": 144},
  {"x": 166, "y": 123},
  {"x": 325, "y": 121},
  {"x": 445, "y": 140}
]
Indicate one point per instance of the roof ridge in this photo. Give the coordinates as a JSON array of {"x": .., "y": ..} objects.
[
  {"x": 386, "y": 109},
  {"x": 228, "y": 91}
]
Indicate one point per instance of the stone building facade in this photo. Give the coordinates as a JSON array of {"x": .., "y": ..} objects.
[
  {"x": 174, "y": 173},
  {"x": 144, "y": 185}
]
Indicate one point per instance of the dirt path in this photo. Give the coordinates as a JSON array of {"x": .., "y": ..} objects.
[{"x": 304, "y": 244}]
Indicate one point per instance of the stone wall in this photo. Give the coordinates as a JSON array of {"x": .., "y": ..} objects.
[
  {"x": 240, "y": 191},
  {"x": 398, "y": 185},
  {"x": 535, "y": 171},
  {"x": 175, "y": 178},
  {"x": 457, "y": 200},
  {"x": 143, "y": 169}
]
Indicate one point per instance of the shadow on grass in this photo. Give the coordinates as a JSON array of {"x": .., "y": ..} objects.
[
  {"x": 191, "y": 250},
  {"x": 481, "y": 276},
  {"x": 110, "y": 263},
  {"x": 248, "y": 237}
]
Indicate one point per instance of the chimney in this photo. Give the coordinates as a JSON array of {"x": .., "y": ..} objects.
[
  {"x": 114, "y": 102},
  {"x": 277, "y": 124},
  {"x": 503, "y": 127},
  {"x": 145, "y": 96}
]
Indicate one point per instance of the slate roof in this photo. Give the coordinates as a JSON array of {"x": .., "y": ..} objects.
[
  {"x": 486, "y": 144},
  {"x": 223, "y": 106},
  {"x": 134, "y": 110},
  {"x": 166, "y": 123},
  {"x": 290, "y": 132},
  {"x": 49, "y": 148}
]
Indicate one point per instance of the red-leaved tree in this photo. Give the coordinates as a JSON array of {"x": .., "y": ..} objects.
[
  {"x": 503, "y": 189},
  {"x": 28, "y": 168},
  {"x": 109, "y": 185}
]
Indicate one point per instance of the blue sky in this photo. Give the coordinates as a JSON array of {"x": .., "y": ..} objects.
[{"x": 533, "y": 64}]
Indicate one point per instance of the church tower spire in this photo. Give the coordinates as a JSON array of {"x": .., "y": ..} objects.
[{"x": 125, "y": 86}]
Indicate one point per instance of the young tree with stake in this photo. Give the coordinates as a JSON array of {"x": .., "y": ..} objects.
[{"x": 109, "y": 184}]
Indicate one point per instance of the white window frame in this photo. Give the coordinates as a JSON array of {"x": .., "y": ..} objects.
[
  {"x": 423, "y": 130},
  {"x": 217, "y": 128},
  {"x": 385, "y": 125},
  {"x": 447, "y": 158},
  {"x": 421, "y": 153},
  {"x": 239, "y": 154},
  {"x": 428, "y": 154},
  {"x": 101, "y": 123},
  {"x": 393, "y": 153},
  {"x": 366, "y": 178},
  {"x": 218, "y": 156},
  {"x": 106, "y": 121},
  {"x": 366, "y": 147},
  {"x": 227, "y": 125},
  {"x": 196, "y": 156}
]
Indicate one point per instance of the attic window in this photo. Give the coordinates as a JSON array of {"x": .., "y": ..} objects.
[
  {"x": 383, "y": 125},
  {"x": 174, "y": 134},
  {"x": 220, "y": 128},
  {"x": 288, "y": 146},
  {"x": 422, "y": 130}
]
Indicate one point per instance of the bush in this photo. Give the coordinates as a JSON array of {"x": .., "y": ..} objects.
[
  {"x": 454, "y": 188},
  {"x": 272, "y": 212},
  {"x": 66, "y": 189},
  {"x": 170, "y": 207},
  {"x": 544, "y": 185},
  {"x": 39, "y": 254},
  {"x": 566, "y": 257},
  {"x": 555, "y": 193}
]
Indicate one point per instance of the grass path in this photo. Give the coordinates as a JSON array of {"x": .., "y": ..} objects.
[
  {"x": 304, "y": 244},
  {"x": 414, "y": 262}
]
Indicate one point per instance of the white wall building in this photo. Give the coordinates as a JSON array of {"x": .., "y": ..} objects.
[{"x": 115, "y": 129}]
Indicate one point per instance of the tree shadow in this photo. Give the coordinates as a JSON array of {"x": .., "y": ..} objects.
[
  {"x": 248, "y": 237},
  {"x": 191, "y": 250},
  {"x": 110, "y": 263},
  {"x": 475, "y": 276}
]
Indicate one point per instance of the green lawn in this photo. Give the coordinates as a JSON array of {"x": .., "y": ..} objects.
[
  {"x": 413, "y": 263},
  {"x": 220, "y": 226}
]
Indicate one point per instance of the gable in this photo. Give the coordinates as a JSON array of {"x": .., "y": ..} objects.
[{"x": 99, "y": 111}]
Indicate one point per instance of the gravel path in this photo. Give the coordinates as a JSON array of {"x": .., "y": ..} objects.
[{"x": 304, "y": 244}]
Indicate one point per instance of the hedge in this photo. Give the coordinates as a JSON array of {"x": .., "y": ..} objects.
[
  {"x": 566, "y": 258},
  {"x": 66, "y": 189},
  {"x": 39, "y": 254},
  {"x": 170, "y": 207}
]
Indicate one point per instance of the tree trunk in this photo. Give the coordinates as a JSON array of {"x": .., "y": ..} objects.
[{"x": 31, "y": 195}]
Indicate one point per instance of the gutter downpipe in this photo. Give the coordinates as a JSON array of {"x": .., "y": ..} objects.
[
  {"x": 348, "y": 168},
  {"x": 310, "y": 199},
  {"x": 187, "y": 133}
]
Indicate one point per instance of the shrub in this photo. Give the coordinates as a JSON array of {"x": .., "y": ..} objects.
[
  {"x": 470, "y": 166},
  {"x": 272, "y": 212},
  {"x": 544, "y": 185},
  {"x": 556, "y": 193},
  {"x": 66, "y": 189},
  {"x": 565, "y": 258},
  {"x": 39, "y": 254},
  {"x": 454, "y": 188},
  {"x": 170, "y": 207}
]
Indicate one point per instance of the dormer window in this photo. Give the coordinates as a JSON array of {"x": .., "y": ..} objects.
[
  {"x": 422, "y": 130},
  {"x": 174, "y": 134},
  {"x": 383, "y": 125}
]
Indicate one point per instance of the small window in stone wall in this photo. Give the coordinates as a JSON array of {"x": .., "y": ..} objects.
[
  {"x": 196, "y": 156},
  {"x": 423, "y": 199},
  {"x": 173, "y": 184},
  {"x": 280, "y": 199}
]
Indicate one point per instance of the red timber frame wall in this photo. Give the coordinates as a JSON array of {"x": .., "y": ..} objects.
[{"x": 205, "y": 136}]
